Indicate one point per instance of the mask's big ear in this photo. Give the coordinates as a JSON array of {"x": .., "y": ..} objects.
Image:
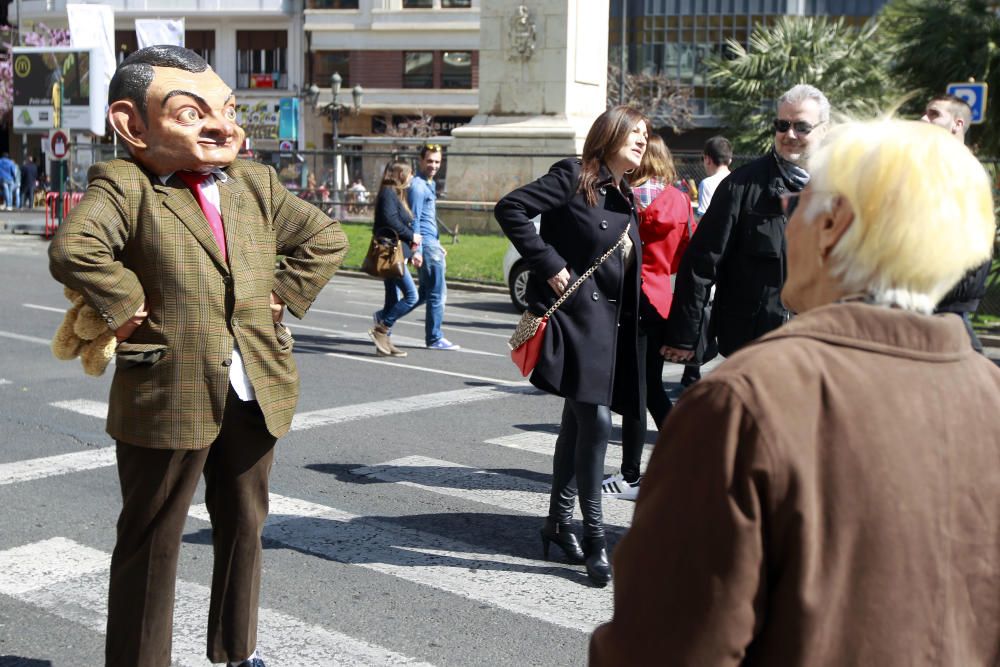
[{"x": 127, "y": 122}]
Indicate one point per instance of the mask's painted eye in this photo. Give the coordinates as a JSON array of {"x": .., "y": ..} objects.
[
  {"x": 230, "y": 113},
  {"x": 189, "y": 115}
]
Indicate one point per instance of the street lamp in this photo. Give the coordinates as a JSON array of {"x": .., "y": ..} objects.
[{"x": 334, "y": 109}]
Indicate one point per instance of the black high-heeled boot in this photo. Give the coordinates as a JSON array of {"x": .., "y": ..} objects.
[
  {"x": 598, "y": 565},
  {"x": 560, "y": 533}
]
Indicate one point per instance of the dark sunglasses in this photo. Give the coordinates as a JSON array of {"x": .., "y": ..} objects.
[
  {"x": 790, "y": 202},
  {"x": 801, "y": 127}
]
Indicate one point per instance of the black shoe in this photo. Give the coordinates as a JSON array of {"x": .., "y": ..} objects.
[
  {"x": 691, "y": 375},
  {"x": 598, "y": 565},
  {"x": 564, "y": 538}
]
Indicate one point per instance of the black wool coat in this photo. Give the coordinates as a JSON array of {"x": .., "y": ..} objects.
[
  {"x": 740, "y": 247},
  {"x": 589, "y": 352}
]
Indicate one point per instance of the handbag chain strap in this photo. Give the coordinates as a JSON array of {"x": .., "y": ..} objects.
[{"x": 589, "y": 272}]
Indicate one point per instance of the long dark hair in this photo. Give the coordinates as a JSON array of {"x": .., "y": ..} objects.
[
  {"x": 394, "y": 177},
  {"x": 606, "y": 136}
]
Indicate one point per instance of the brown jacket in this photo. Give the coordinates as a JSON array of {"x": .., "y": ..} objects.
[
  {"x": 132, "y": 237},
  {"x": 829, "y": 496}
]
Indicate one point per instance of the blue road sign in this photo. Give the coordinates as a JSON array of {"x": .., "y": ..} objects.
[{"x": 973, "y": 93}]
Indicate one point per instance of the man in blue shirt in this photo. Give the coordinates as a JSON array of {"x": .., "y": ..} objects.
[
  {"x": 9, "y": 175},
  {"x": 429, "y": 255}
]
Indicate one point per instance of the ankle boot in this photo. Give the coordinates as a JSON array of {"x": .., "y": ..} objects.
[
  {"x": 560, "y": 533},
  {"x": 380, "y": 335},
  {"x": 598, "y": 566},
  {"x": 393, "y": 350}
]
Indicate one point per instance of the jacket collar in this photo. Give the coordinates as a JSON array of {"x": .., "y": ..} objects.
[
  {"x": 605, "y": 182},
  {"x": 881, "y": 329}
]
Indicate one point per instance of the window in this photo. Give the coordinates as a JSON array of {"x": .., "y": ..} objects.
[
  {"x": 418, "y": 4},
  {"x": 418, "y": 69},
  {"x": 126, "y": 43},
  {"x": 456, "y": 4},
  {"x": 201, "y": 42},
  {"x": 456, "y": 69},
  {"x": 331, "y": 4},
  {"x": 325, "y": 63},
  {"x": 261, "y": 59}
]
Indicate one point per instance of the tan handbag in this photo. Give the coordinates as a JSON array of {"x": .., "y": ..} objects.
[{"x": 385, "y": 258}]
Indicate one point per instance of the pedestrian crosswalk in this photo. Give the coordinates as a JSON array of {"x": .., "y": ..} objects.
[
  {"x": 458, "y": 537},
  {"x": 68, "y": 579}
]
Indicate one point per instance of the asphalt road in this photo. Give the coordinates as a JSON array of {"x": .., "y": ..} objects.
[{"x": 405, "y": 502}]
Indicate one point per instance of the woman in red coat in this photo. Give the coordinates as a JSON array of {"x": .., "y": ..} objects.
[{"x": 665, "y": 224}]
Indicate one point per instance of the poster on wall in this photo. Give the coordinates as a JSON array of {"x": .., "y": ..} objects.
[{"x": 36, "y": 69}]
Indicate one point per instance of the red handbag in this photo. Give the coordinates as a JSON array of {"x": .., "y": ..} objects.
[
  {"x": 526, "y": 342},
  {"x": 524, "y": 353}
]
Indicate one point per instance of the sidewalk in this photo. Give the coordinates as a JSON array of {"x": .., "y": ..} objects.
[{"x": 23, "y": 221}]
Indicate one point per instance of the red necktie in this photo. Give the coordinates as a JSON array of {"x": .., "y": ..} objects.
[{"x": 194, "y": 181}]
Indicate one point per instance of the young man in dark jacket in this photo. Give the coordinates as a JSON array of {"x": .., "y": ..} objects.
[
  {"x": 739, "y": 245},
  {"x": 953, "y": 114}
]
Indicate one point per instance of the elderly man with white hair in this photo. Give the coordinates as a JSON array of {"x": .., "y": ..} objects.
[
  {"x": 739, "y": 245},
  {"x": 831, "y": 493}
]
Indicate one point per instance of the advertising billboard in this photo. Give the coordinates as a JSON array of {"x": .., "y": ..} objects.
[{"x": 85, "y": 95}]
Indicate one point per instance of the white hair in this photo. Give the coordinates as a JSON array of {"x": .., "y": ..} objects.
[
  {"x": 911, "y": 240},
  {"x": 801, "y": 93}
]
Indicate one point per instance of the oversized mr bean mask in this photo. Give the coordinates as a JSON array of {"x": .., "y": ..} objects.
[{"x": 189, "y": 125}]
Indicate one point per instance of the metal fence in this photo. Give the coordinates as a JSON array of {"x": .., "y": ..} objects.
[{"x": 336, "y": 172}]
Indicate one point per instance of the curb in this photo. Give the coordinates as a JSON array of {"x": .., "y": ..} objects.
[
  {"x": 989, "y": 339},
  {"x": 464, "y": 285}
]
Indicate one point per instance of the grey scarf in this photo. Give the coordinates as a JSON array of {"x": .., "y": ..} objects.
[{"x": 796, "y": 178}]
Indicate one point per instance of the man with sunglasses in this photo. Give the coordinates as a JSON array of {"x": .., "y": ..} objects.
[
  {"x": 739, "y": 245},
  {"x": 954, "y": 115}
]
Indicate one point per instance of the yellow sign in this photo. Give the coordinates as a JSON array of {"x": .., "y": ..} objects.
[{"x": 22, "y": 66}]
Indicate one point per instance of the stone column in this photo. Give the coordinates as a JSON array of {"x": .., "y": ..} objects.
[{"x": 542, "y": 82}]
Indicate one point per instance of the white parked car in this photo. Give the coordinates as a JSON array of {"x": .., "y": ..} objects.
[{"x": 516, "y": 272}]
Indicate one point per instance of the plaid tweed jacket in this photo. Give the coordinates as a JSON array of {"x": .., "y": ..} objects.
[{"x": 132, "y": 238}]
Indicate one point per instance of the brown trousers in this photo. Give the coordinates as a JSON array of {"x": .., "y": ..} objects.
[{"x": 157, "y": 487}]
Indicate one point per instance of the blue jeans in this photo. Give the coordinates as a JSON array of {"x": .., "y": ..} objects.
[
  {"x": 394, "y": 307},
  {"x": 432, "y": 289},
  {"x": 8, "y": 192}
]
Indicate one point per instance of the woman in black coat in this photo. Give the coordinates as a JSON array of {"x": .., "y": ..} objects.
[
  {"x": 392, "y": 214},
  {"x": 589, "y": 350}
]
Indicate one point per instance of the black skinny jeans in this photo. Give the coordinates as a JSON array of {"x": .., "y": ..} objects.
[
  {"x": 657, "y": 400},
  {"x": 578, "y": 464}
]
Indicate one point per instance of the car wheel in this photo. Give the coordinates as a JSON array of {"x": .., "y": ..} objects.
[{"x": 518, "y": 284}]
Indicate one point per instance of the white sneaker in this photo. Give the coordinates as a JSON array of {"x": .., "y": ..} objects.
[{"x": 616, "y": 487}]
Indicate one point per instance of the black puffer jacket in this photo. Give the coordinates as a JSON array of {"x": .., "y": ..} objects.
[
  {"x": 589, "y": 351},
  {"x": 740, "y": 247},
  {"x": 970, "y": 290}
]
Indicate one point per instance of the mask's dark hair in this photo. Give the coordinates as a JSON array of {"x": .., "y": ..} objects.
[{"x": 135, "y": 73}]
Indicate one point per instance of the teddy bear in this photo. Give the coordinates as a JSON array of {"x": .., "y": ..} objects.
[{"x": 83, "y": 333}]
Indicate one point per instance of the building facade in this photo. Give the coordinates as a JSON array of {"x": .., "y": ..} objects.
[
  {"x": 674, "y": 37},
  {"x": 413, "y": 58}
]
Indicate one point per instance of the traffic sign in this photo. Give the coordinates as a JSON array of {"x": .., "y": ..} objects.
[
  {"x": 285, "y": 146},
  {"x": 58, "y": 144},
  {"x": 975, "y": 95}
]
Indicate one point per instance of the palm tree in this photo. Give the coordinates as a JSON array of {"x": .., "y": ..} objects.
[
  {"x": 845, "y": 62},
  {"x": 937, "y": 42}
]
